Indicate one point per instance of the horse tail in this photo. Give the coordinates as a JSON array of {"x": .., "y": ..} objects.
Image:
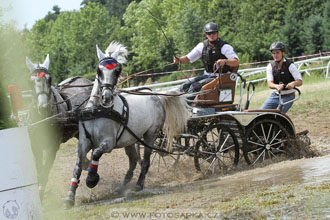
[{"x": 176, "y": 116}]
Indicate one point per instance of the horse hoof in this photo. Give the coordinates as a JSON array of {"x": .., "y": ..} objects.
[
  {"x": 138, "y": 188},
  {"x": 92, "y": 180},
  {"x": 69, "y": 200},
  {"x": 119, "y": 190},
  {"x": 68, "y": 203}
]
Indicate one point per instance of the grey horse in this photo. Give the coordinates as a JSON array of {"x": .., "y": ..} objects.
[
  {"x": 146, "y": 116},
  {"x": 49, "y": 101}
]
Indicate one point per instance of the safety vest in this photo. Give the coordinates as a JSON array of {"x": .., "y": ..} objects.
[
  {"x": 282, "y": 75},
  {"x": 211, "y": 54}
]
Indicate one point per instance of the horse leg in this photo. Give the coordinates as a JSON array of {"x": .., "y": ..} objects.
[
  {"x": 83, "y": 147},
  {"x": 133, "y": 158},
  {"x": 93, "y": 177},
  {"x": 145, "y": 163},
  {"x": 50, "y": 155}
]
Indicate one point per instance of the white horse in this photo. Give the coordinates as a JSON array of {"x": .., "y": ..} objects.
[{"x": 146, "y": 116}]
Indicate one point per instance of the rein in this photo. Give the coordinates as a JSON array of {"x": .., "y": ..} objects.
[
  {"x": 151, "y": 93},
  {"x": 74, "y": 86},
  {"x": 144, "y": 71}
]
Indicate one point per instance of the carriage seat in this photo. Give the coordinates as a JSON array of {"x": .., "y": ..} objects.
[{"x": 222, "y": 92}]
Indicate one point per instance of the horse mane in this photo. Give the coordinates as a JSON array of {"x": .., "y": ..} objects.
[{"x": 117, "y": 51}]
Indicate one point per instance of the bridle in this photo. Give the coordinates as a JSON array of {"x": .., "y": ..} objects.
[
  {"x": 110, "y": 85},
  {"x": 41, "y": 75}
]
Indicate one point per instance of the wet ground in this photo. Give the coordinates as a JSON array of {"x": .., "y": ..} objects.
[{"x": 303, "y": 171}]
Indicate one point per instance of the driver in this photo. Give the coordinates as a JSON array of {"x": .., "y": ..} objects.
[
  {"x": 213, "y": 51},
  {"x": 282, "y": 75}
]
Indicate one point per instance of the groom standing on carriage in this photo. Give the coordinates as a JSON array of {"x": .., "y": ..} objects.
[{"x": 217, "y": 56}]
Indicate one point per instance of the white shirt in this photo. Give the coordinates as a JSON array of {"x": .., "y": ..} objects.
[
  {"x": 196, "y": 53},
  {"x": 292, "y": 69}
]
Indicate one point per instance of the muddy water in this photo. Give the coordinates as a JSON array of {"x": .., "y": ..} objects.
[{"x": 304, "y": 171}]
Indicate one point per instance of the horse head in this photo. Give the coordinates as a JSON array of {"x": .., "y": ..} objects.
[
  {"x": 109, "y": 70},
  {"x": 40, "y": 81}
]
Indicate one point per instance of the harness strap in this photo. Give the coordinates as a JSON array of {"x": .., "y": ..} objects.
[
  {"x": 146, "y": 145},
  {"x": 88, "y": 135},
  {"x": 124, "y": 116}
]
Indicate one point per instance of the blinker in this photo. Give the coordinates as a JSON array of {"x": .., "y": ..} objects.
[
  {"x": 109, "y": 64},
  {"x": 40, "y": 74}
]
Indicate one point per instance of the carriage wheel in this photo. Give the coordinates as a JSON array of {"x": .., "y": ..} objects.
[
  {"x": 216, "y": 150},
  {"x": 266, "y": 139},
  {"x": 182, "y": 146}
]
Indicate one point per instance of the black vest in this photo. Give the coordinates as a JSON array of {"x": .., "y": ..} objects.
[
  {"x": 212, "y": 54},
  {"x": 282, "y": 75}
]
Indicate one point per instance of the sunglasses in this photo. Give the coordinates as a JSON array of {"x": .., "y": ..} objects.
[{"x": 210, "y": 33}]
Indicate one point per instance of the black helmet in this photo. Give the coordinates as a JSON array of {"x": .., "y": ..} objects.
[
  {"x": 211, "y": 27},
  {"x": 278, "y": 45}
]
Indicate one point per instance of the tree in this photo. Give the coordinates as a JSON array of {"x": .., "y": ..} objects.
[
  {"x": 54, "y": 15},
  {"x": 292, "y": 33},
  {"x": 255, "y": 29},
  {"x": 326, "y": 26},
  {"x": 313, "y": 34},
  {"x": 70, "y": 40}
]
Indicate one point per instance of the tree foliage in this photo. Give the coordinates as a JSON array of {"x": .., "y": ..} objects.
[
  {"x": 326, "y": 26},
  {"x": 156, "y": 30}
]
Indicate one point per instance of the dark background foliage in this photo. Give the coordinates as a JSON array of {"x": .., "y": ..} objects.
[{"x": 70, "y": 36}]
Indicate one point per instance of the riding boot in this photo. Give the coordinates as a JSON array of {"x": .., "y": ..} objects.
[{"x": 94, "y": 98}]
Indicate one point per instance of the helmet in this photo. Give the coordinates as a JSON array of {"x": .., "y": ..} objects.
[
  {"x": 211, "y": 27},
  {"x": 278, "y": 45}
]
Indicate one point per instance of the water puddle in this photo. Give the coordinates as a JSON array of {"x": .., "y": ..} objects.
[{"x": 304, "y": 171}]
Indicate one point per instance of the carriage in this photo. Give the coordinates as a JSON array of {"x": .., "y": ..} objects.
[{"x": 220, "y": 133}]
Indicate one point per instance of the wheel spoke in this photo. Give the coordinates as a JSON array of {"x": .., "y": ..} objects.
[
  {"x": 255, "y": 150},
  {"x": 280, "y": 150},
  {"x": 155, "y": 153},
  {"x": 211, "y": 165},
  {"x": 275, "y": 136},
  {"x": 263, "y": 152},
  {"x": 264, "y": 156},
  {"x": 270, "y": 129},
  {"x": 207, "y": 152},
  {"x": 263, "y": 132},
  {"x": 224, "y": 142},
  {"x": 257, "y": 136},
  {"x": 279, "y": 142},
  {"x": 256, "y": 143},
  {"x": 231, "y": 146},
  {"x": 272, "y": 154}
]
